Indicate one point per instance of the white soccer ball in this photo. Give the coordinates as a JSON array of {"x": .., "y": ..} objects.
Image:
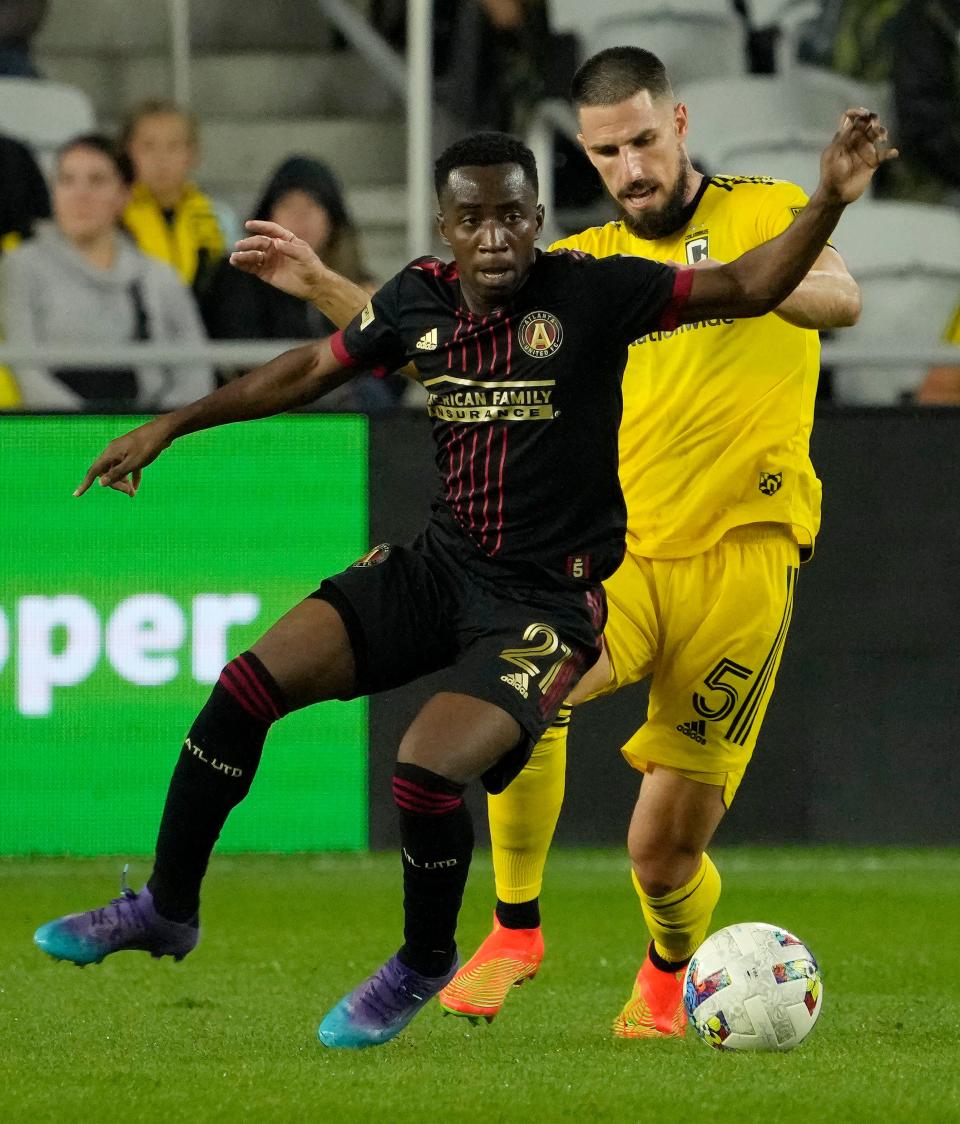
[{"x": 753, "y": 987}]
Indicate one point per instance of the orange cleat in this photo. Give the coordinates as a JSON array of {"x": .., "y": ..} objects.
[
  {"x": 506, "y": 959},
  {"x": 655, "y": 1008}
]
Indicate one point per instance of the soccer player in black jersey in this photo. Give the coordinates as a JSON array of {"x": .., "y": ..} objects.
[{"x": 521, "y": 354}]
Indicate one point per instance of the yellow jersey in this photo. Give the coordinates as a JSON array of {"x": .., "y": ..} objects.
[
  {"x": 716, "y": 414},
  {"x": 189, "y": 238}
]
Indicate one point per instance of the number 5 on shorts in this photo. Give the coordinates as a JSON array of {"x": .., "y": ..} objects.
[{"x": 715, "y": 681}]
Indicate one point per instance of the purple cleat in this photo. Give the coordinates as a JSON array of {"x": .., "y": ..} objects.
[
  {"x": 379, "y": 1008},
  {"x": 128, "y": 922}
]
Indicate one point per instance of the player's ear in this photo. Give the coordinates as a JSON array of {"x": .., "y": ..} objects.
[
  {"x": 540, "y": 214},
  {"x": 442, "y": 228},
  {"x": 582, "y": 141},
  {"x": 681, "y": 123}
]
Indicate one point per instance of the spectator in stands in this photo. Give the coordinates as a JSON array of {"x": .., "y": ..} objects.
[
  {"x": 19, "y": 22},
  {"x": 82, "y": 281},
  {"x": 941, "y": 387},
  {"x": 23, "y": 201},
  {"x": 24, "y": 198},
  {"x": 304, "y": 196},
  {"x": 168, "y": 215},
  {"x": 926, "y": 86},
  {"x": 492, "y": 59},
  {"x": 852, "y": 37}
]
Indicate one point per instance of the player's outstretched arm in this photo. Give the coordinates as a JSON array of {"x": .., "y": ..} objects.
[
  {"x": 276, "y": 255},
  {"x": 828, "y": 297},
  {"x": 758, "y": 281},
  {"x": 292, "y": 379}
]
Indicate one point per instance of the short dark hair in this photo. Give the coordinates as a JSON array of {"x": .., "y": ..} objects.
[
  {"x": 106, "y": 146},
  {"x": 481, "y": 150},
  {"x": 616, "y": 74}
]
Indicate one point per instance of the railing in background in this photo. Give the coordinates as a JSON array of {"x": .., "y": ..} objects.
[
  {"x": 247, "y": 354},
  {"x": 412, "y": 79},
  {"x": 549, "y": 116},
  {"x": 179, "y": 12}
]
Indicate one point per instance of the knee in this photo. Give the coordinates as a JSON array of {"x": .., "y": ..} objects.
[
  {"x": 662, "y": 869},
  {"x": 251, "y": 686}
]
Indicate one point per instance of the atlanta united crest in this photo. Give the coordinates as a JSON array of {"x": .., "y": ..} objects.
[{"x": 540, "y": 334}]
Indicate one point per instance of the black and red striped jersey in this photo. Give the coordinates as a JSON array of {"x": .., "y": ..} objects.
[{"x": 526, "y": 401}]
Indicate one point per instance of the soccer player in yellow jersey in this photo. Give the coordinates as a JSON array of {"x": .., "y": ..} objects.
[{"x": 722, "y": 503}]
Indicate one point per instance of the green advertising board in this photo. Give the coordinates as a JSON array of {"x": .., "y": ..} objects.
[{"x": 116, "y": 616}]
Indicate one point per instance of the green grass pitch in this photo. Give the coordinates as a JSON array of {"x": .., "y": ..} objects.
[{"x": 229, "y": 1034}]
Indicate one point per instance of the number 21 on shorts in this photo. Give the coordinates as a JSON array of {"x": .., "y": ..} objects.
[{"x": 529, "y": 659}]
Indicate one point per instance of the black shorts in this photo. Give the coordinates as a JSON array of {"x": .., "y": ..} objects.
[{"x": 412, "y": 610}]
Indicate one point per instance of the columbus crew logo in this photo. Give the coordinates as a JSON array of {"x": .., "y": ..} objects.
[
  {"x": 540, "y": 334},
  {"x": 770, "y": 482}
]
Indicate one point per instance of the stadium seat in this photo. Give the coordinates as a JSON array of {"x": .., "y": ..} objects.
[
  {"x": 770, "y": 125},
  {"x": 43, "y": 114},
  {"x": 787, "y": 16},
  {"x": 903, "y": 256},
  {"x": 690, "y": 36}
]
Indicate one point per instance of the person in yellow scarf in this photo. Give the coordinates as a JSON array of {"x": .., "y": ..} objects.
[{"x": 168, "y": 216}]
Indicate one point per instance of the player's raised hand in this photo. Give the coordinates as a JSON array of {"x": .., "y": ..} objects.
[
  {"x": 127, "y": 456},
  {"x": 858, "y": 148},
  {"x": 276, "y": 255}
]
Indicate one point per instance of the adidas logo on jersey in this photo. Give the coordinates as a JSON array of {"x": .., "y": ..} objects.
[
  {"x": 520, "y": 680},
  {"x": 428, "y": 341},
  {"x": 697, "y": 730}
]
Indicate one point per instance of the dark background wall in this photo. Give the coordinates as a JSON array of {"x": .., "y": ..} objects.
[{"x": 862, "y": 739}]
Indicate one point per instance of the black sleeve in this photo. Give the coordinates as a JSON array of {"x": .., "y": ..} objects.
[
  {"x": 372, "y": 338},
  {"x": 631, "y": 296},
  {"x": 24, "y": 197},
  {"x": 230, "y": 308}
]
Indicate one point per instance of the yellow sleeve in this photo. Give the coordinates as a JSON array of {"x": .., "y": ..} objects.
[
  {"x": 586, "y": 241},
  {"x": 782, "y": 203}
]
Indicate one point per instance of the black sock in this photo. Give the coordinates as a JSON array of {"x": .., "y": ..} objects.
[
  {"x": 436, "y": 834},
  {"x": 213, "y": 774},
  {"x": 519, "y": 915},
  {"x": 665, "y": 965}
]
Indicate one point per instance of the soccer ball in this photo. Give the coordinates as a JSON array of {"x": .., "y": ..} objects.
[{"x": 753, "y": 987}]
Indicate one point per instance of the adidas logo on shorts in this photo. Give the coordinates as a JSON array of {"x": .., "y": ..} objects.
[
  {"x": 697, "y": 730},
  {"x": 520, "y": 680}
]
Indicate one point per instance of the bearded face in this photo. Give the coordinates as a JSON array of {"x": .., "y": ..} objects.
[
  {"x": 637, "y": 146},
  {"x": 659, "y": 219}
]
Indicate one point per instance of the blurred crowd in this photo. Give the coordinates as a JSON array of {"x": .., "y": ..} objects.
[{"x": 124, "y": 246}]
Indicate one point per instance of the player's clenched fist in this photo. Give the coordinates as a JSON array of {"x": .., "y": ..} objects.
[
  {"x": 128, "y": 456},
  {"x": 858, "y": 148}
]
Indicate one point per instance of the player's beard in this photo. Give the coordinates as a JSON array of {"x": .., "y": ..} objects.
[{"x": 661, "y": 221}]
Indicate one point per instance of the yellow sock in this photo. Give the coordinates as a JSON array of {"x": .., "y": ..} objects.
[
  {"x": 678, "y": 921},
  {"x": 524, "y": 815}
]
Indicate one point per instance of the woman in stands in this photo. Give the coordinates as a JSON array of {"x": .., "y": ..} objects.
[
  {"x": 304, "y": 196},
  {"x": 81, "y": 281}
]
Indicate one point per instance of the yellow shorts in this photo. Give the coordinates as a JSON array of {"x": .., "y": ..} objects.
[{"x": 709, "y": 630}]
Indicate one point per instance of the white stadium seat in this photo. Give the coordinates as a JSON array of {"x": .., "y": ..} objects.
[
  {"x": 904, "y": 256},
  {"x": 692, "y": 37},
  {"x": 770, "y": 125},
  {"x": 43, "y": 114}
]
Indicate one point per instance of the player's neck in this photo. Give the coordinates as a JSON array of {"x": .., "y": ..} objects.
[
  {"x": 694, "y": 184},
  {"x": 483, "y": 304}
]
